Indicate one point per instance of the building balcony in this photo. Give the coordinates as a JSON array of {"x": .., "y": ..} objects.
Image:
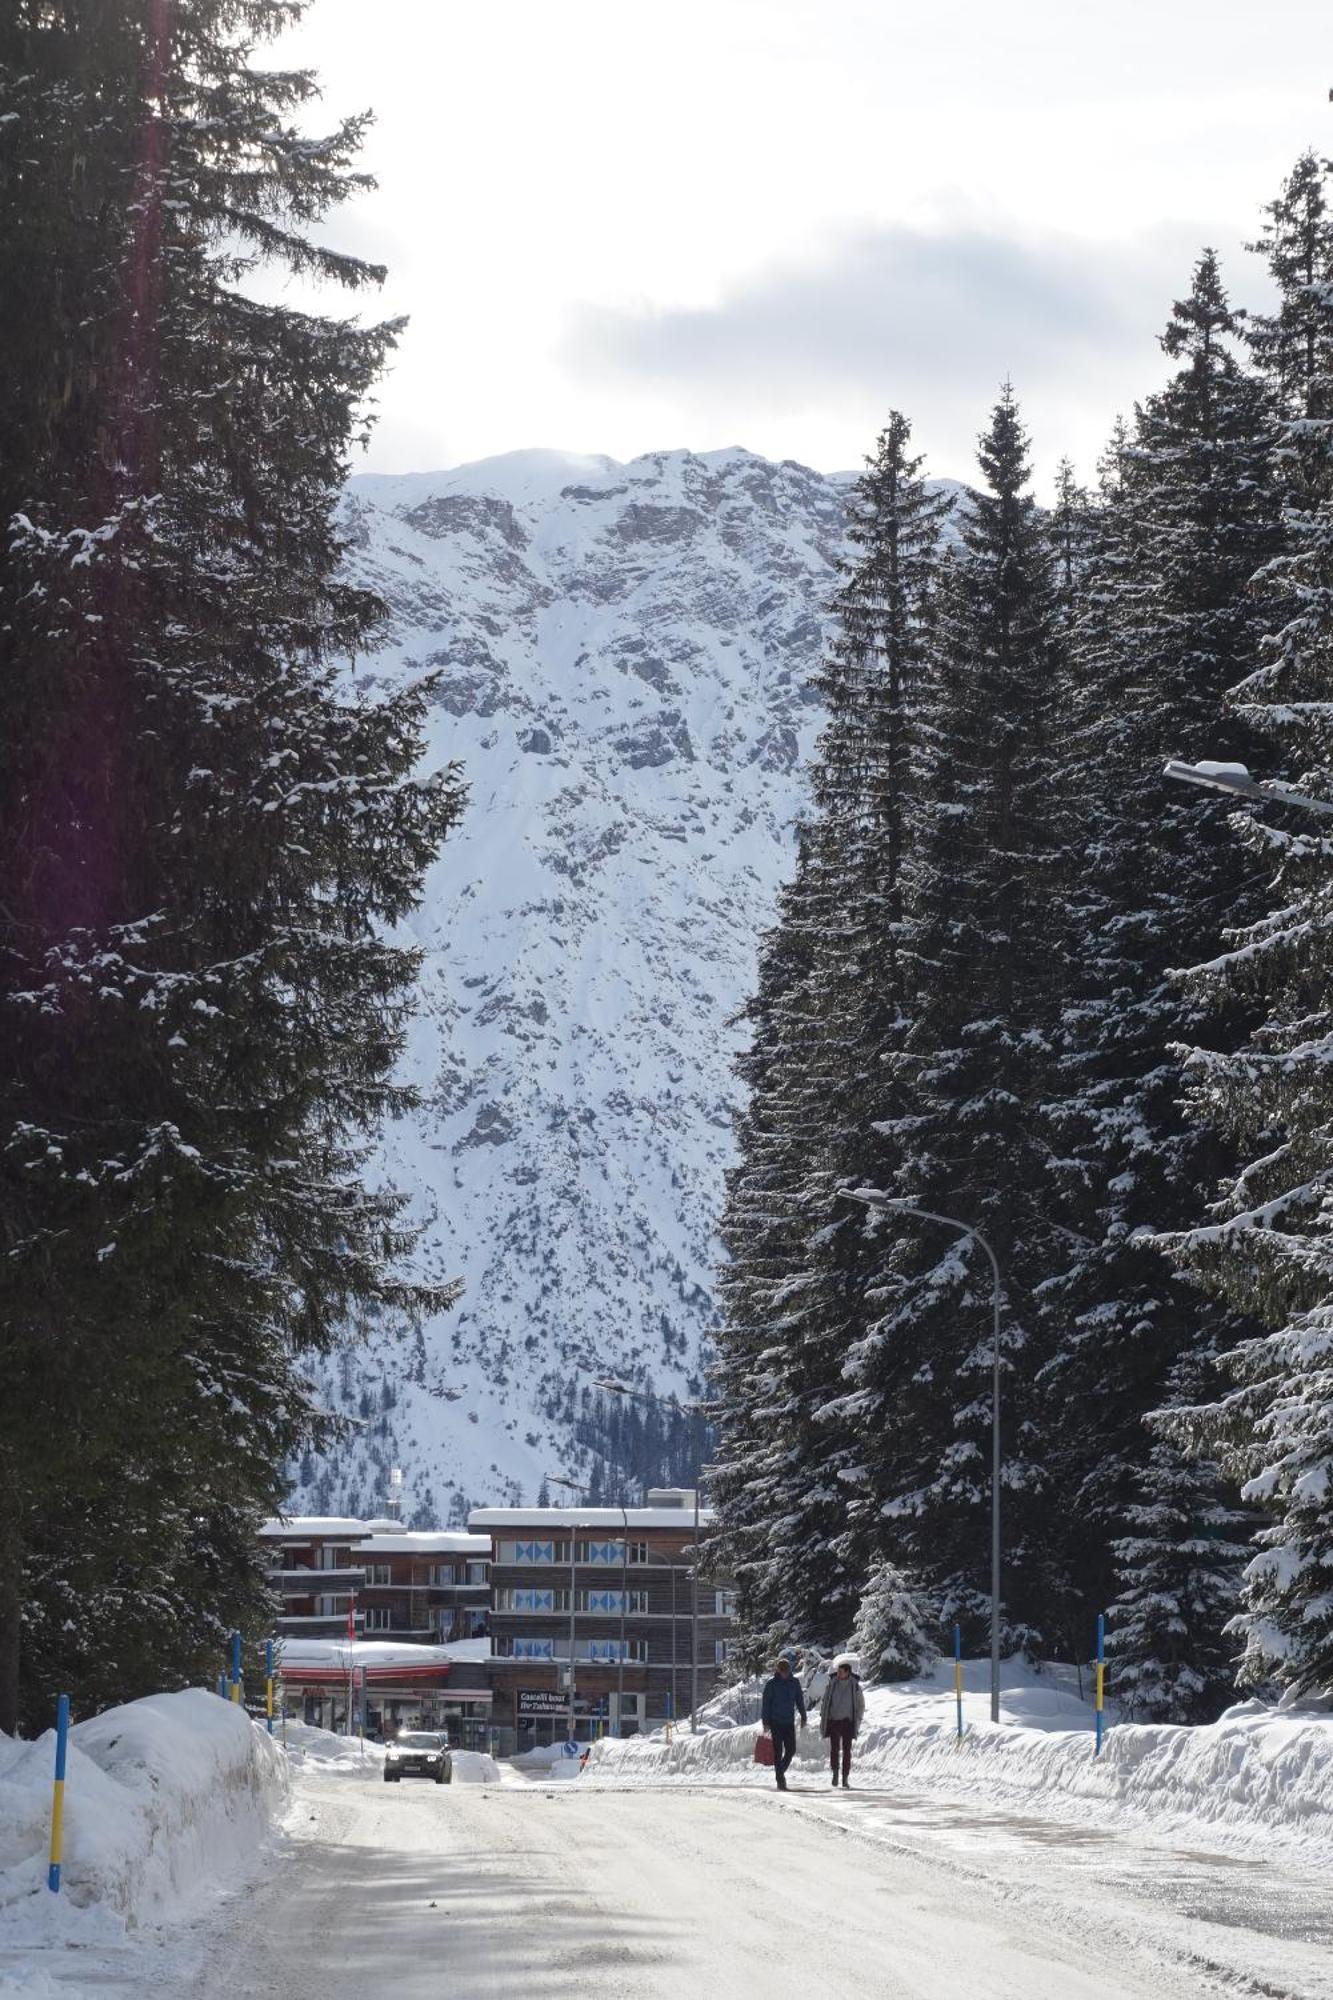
[{"x": 310, "y": 1579}]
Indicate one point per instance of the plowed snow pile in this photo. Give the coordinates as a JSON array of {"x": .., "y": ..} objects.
[
  {"x": 1258, "y": 1773},
  {"x": 167, "y": 1801}
]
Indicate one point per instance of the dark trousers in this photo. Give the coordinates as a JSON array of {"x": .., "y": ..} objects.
[
  {"x": 784, "y": 1749},
  {"x": 840, "y": 1732}
]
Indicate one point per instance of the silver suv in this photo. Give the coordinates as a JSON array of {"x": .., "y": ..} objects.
[{"x": 418, "y": 1753}]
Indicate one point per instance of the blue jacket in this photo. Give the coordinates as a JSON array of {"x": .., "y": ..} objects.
[{"x": 783, "y": 1702}]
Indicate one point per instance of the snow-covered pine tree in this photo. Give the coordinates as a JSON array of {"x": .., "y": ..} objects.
[
  {"x": 984, "y": 983},
  {"x": 817, "y": 1078},
  {"x": 761, "y": 1231},
  {"x": 1269, "y": 1250},
  {"x": 1168, "y": 625},
  {"x": 203, "y": 842},
  {"x": 892, "y": 1636},
  {"x": 1171, "y": 1655}
]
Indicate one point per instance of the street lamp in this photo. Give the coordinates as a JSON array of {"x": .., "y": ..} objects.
[
  {"x": 1236, "y": 780},
  {"x": 612, "y": 1386},
  {"x": 904, "y": 1205},
  {"x": 572, "y": 1485}
]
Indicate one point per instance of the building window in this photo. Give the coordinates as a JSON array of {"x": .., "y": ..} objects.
[
  {"x": 513, "y": 1598},
  {"x": 378, "y": 1618},
  {"x": 444, "y": 1573},
  {"x": 638, "y": 1552},
  {"x": 478, "y": 1572},
  {"x": 724, "y": 1603},
  {"x": 531, "y": 1649},
  {"x": 530, "y": 1554},
  {"x": 612, "y": 1600},
  {"x": 379, "y": 1573},
  {"x": 722, "y": 1651},
  {"x": 610, "y": 1649},
  {"x": 331, "y": 1607}
]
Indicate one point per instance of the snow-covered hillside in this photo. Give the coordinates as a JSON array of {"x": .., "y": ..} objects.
[{"x": 626, "y": 653}]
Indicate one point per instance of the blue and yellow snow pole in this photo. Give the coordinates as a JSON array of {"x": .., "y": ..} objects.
[
  {"x": 235, "y": 1666},
  {"x": 958, "y": 1674},
  {"x": 58, "y": 1795},
  {"x": 268, "y": 1682},
  {"x": 1101, "y": 1679}
]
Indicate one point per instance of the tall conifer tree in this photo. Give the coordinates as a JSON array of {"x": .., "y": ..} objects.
[
  {"x": 203, "y": 842},
  {"x": 818, "y": 1074},
  {"x": 1269, "y": 1250},
  {"x": 964, "y": 1138},
  {"x": 1170, "y": 624}
]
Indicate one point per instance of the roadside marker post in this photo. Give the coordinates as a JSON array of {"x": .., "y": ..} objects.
[
  {"x": 1101, "y": 1679},
  {"x": 58, "y": 1795},
  {"x": 670, "y": 1714},
  {"x": 268, "y": 1683},
  {"x": 235, "y": 1666},
  {"x": 958, "y": 1675}
]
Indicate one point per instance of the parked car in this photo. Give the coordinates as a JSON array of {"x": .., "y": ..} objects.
[{"x": 418, "y": 1753}]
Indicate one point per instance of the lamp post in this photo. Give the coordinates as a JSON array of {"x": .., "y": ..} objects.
[
  {"x": 613, "y": 1386},
  {"x": 903, "y": 1205},
  {"x": 624, "y": 1606},
  {"x": 572, "y": 1486}
]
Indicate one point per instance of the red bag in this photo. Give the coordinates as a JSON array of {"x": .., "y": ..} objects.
[{"x": 763, "y": 1750}]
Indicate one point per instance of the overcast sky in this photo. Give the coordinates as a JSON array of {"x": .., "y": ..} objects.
[{"x": 619, "y": 226}]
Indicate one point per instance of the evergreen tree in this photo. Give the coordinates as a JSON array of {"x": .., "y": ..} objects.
[
  {"x": 832, "y": 1006},
  {"x": 891, "y": 1636},
  {"x": 1269, "y": 1250},
  {"x": 973, "y": 1066},
  {"x": 1171, "y": 1659},
  {"x": 204, "y": 843},
  {"x": 1189, "y": 514}
]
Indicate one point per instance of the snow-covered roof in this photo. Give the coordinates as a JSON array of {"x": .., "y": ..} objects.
[
  {"x": 370, "y": 1653},
  {"x": 426, "y": 1541},
  {"x": 304, "y": 1527},
  {"x": 587, "y": 1517}
]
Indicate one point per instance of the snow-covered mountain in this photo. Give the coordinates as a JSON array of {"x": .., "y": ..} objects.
[{"x": 626, "y": 653}]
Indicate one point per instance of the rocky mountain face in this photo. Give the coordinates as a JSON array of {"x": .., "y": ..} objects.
[{"x": 625, "y": 655}]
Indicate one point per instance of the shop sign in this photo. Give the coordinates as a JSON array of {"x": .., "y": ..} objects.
[{"x": 541, "y": 1701}]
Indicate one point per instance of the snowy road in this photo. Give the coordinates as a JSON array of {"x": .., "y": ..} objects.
[{"x": 575, "y": 1892}]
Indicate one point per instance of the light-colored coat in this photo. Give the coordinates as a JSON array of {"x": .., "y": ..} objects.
[{"x": 858, "y": 1703}]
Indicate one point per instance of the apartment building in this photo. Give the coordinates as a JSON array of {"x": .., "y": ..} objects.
[
  {"x": 614, "y": 1586},
  {"x": 377, "y": 1580}
]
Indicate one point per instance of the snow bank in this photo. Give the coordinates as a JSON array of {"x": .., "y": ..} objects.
[
  {"x": 475, "y": 1767},
  {"x": 319, "y": 1752},
  {"x": 165, "y": 1799},
  {"x": 1256, "y": 1774}
]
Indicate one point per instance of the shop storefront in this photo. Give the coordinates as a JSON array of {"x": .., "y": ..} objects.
[{"x": 385, "y": 1689}]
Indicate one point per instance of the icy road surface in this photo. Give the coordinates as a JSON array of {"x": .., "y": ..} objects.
[{"x": 578, "y": 1891}]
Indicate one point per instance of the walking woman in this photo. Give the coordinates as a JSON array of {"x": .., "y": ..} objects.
[{"x": 840, "y": 1714}]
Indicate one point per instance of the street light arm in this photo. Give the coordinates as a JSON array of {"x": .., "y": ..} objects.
[{"x": 872, "y": 1198}]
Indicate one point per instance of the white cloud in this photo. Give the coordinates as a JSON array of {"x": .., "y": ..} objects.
[{"x": 609, "y": 169}]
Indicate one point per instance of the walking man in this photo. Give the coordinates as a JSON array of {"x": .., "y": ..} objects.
[
  {"x": 783, "y": 1702},
  {"x": 840, "y": 1714}
]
